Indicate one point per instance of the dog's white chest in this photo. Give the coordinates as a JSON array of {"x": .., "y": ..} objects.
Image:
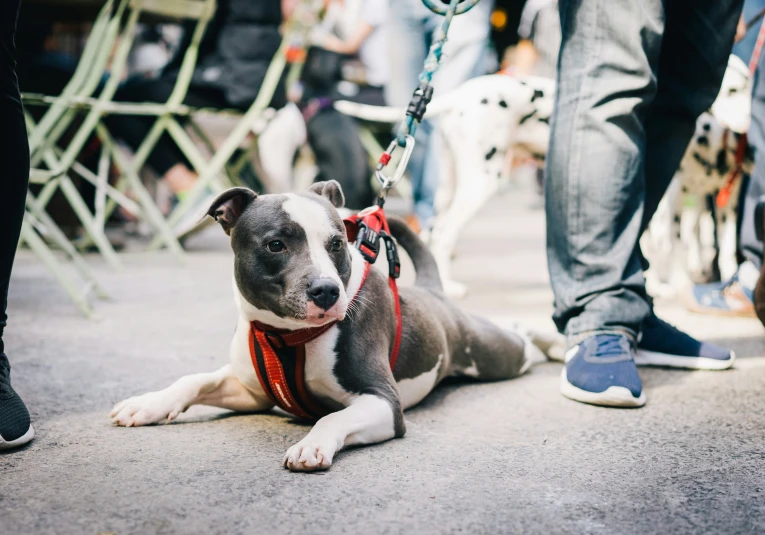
[{"x": 319, "y": 366}]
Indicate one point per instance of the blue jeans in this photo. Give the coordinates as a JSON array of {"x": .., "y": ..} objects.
[
  {"x": 632, "y": 79},
  {"x": 410, "y": 30}
]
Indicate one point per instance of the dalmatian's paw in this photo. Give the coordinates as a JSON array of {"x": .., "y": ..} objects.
[
  {"x": 310, "y": 454},
  {"x": 147, "y": 409}
]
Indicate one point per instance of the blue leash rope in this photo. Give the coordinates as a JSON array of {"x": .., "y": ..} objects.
[
  {"x": 424, "y": 92},
  {"x": 415, "y": 111}
]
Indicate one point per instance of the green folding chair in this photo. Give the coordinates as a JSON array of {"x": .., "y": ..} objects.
[
  {"x": 219, "y": 171},
  {"x": 33, "y": 231},
  {"x": 59, "y": 117}
]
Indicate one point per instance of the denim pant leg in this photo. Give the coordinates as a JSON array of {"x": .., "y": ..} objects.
[
  {"x": 595, "y": 185},
  {"x": 750, "y": 247},
  {"x": 14, "y": 153}
]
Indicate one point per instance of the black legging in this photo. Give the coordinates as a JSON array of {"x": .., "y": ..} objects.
[
  {"x": 14, "y": 154},
  {"x": 132, "y": 129}
]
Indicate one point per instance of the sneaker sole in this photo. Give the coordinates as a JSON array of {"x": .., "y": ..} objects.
[
  {"x": 653, "y": 358},
  {"x": 23, "y": 439},
  {"x": 613, "y": 396}
]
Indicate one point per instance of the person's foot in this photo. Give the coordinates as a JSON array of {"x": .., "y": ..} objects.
[
  {"x": 15, "y": 426},
  {"x": 601, "y": 371},
  {"x": 734, "y": 297},
  {"x": 661, "y": 344}
]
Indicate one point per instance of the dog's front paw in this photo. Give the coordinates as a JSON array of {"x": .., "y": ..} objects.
[
  {"x": 146, "y": 409},
  {"x": 310, "y": 455}
]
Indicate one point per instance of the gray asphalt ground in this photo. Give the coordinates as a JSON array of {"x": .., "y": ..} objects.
[{"x": 509, "y": 457}]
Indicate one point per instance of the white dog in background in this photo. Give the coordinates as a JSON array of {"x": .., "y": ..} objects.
[
  {"x": 681, "y": 242},
  {"x": 479, "y": 122}
]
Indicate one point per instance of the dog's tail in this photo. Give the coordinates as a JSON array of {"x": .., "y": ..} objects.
[{"x": 424, "y": 263}]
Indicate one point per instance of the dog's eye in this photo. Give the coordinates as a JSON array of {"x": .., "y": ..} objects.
[
  {"x": 337, "y": 244},
  {"x": 275, "y": 246}
]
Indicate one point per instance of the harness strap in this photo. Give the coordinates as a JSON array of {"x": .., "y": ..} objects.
[{"x": 278, "y": 355}]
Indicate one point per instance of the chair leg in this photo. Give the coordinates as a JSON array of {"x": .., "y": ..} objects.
[
  {"x": 39, "y": 247},
  {"x": 151, "y": 212},
  {"x": 58, "y": 237},
  {"x": 95, "y": 231},
  {"x": 128, "y": 171}
]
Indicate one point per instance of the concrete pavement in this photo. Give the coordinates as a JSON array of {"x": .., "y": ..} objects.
[{"x": 510, "y": 457}]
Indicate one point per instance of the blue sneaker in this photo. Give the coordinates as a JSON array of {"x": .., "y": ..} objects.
[
  {"x": 734, "y": 297},
  {"x": 661, "y": 344},
  {"x": 601, "y": 371}
]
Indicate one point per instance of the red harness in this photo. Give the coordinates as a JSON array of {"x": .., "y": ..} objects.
[{"x": 279, "y": 355}]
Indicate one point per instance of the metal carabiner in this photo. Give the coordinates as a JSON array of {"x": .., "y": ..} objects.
[
  {"x": 385, "y": 182},
  {"x": 440, "y": 7}
]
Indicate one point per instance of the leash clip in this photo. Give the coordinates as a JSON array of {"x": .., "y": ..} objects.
[{"x": 387, "y": 182}]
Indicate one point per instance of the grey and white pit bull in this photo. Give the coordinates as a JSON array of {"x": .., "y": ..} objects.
[{"x": 287, "y": 246}]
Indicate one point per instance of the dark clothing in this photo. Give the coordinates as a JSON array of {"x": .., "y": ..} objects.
[
  {"x": 14, "y": 154},
  {"x": 132, "y": 129},
  {"x": 236, "y": 50}
]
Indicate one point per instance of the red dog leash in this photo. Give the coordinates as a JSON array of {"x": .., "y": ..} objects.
[{"x": 278, "y": 355}]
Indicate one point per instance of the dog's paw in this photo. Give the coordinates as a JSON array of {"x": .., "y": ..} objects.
[
  {"x": 146, "y": 409},
  {"x": 310, "y": 455}
]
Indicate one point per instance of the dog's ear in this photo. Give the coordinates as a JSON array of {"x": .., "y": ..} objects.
[
  {"x": 331, "y": 190},
  {"x": 229, "y": 205}
]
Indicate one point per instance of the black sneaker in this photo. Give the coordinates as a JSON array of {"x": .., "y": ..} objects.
[{"x": 15, "y": 427}]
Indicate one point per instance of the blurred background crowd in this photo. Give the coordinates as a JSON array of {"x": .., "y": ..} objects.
[{"x": 119, "y": 178}]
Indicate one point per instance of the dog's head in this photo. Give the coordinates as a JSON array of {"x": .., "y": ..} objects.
[
  {"x": 291, "y": 256},
  {"x": 733, "y": 105}
]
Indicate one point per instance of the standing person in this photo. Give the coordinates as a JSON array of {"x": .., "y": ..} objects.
[
  {"x": 410, "y": 30},
  {"x": 15, "y": 426},
  {"x": 632, "y": 79}
]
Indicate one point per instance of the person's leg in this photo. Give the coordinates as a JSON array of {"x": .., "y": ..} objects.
[
  {"x": 694, "y": 56},
  {"x": 15, "y": 426},
  {"x": 595, "y": 186}
]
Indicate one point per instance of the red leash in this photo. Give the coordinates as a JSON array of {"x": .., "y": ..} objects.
[{"x": 278, "y": 355}]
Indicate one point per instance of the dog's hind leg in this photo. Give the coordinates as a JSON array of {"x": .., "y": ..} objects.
[
  {"x": 490, "y": 353},
  {"x": 369, "y": 419},
  {"x": 218, "y": 389}
]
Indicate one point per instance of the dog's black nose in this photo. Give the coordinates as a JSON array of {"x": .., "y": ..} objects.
[{"x": 324, "y": 292}]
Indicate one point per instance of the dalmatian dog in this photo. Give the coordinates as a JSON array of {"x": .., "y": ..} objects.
[
  {"x": 482, "y": 124},
  {"x": 688, "y": 241}
]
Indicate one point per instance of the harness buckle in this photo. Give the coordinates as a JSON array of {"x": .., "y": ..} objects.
[
  {"x": 368, "y": 242},
  {"x": 391, "y": 253}
]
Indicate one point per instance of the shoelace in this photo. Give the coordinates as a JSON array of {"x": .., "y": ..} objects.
[{"x": 609, "y": 345}]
